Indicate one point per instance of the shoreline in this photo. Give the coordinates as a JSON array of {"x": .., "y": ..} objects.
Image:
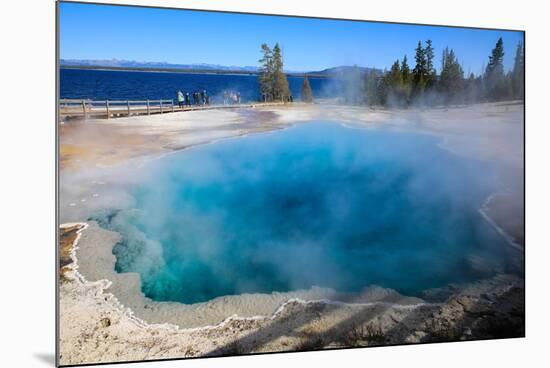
[
  {"x": 278, "y": 306},
  {"x": 484, "y": 212}
]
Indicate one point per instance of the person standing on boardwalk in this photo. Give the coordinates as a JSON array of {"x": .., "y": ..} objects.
[
  {"x": 187, "y": 99},
  {"x": 203, "y": 97},
  {"x": 180, "y": 99}
]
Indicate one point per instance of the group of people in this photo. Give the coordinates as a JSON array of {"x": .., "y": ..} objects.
[
  {"x": 201, "y": 98},
  {"x": 197, "y": 98},
  {"x": 231, "y": 97}
]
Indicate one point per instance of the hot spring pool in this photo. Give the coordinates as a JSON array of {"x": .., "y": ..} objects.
[{"x": 318, "y": 204}]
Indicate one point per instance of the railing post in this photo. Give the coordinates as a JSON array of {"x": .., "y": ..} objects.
[
  {"x": 84, "y": 109},
  {"x": 148, "y": 111},
  {"x": 128, "y": 103},
  {"x": 172, "y": 101},
  {"x": 107, "y": 108},
  {"x": 160, "y": 103}
]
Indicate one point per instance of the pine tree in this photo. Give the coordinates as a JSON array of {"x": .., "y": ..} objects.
[
  {"x": 494, "y": 73},
  {"x": 395, "y": 76},
  {"x": 471, "y": 89},
  {"x": 419, "y": 72},
  {"x": 266, "y": 73},
  {"x": 483, "y": 83},
  {"x": 451, "y": 81},
  {"x": 518, "y": 77},
  {"x": 307, "y": 94},
  {"x": 395, "y": 86},
  {"x": 281, "y": 90},
  {"x": 406, "y": 78},
  {"x": 405, "y": 70},
  {"x": 382, "y": 89},
  {"x": 430, "y": 76},
  {"x": 508, "y": 90},
  {"x": 370, "y": 88},
  {"x": 497, "y": 55}
]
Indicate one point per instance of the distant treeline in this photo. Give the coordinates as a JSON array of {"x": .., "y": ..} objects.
[{"x": 401, "y": 86}]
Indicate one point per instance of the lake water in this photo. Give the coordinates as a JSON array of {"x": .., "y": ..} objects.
[
  {"x": 317, "y": 204},
  {"x": 130, "y": 85}
]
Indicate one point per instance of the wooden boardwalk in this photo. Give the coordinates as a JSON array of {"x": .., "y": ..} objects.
[{"x": 84, "y": 109}]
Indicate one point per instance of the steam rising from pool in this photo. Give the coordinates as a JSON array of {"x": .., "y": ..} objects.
[{"x": 318, "y": 204}]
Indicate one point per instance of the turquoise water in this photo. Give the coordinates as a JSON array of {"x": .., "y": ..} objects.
[{"x": 318, "y": 204}]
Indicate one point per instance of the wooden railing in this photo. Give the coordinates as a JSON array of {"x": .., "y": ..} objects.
[
  {"x": 110, "y": 108},
  {"x": 74, "y": 108}
]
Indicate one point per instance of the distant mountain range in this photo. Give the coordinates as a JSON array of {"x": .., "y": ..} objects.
[
  {"x": 203, "y": 67},
  {"x": 339, "y": 71},
  {"x": 116, "y": 63}
]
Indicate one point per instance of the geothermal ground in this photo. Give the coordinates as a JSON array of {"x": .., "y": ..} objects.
[{"x": 104, "y": 316}]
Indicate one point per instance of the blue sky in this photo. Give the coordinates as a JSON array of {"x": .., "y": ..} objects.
[{"x": 90, "y": 31}]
